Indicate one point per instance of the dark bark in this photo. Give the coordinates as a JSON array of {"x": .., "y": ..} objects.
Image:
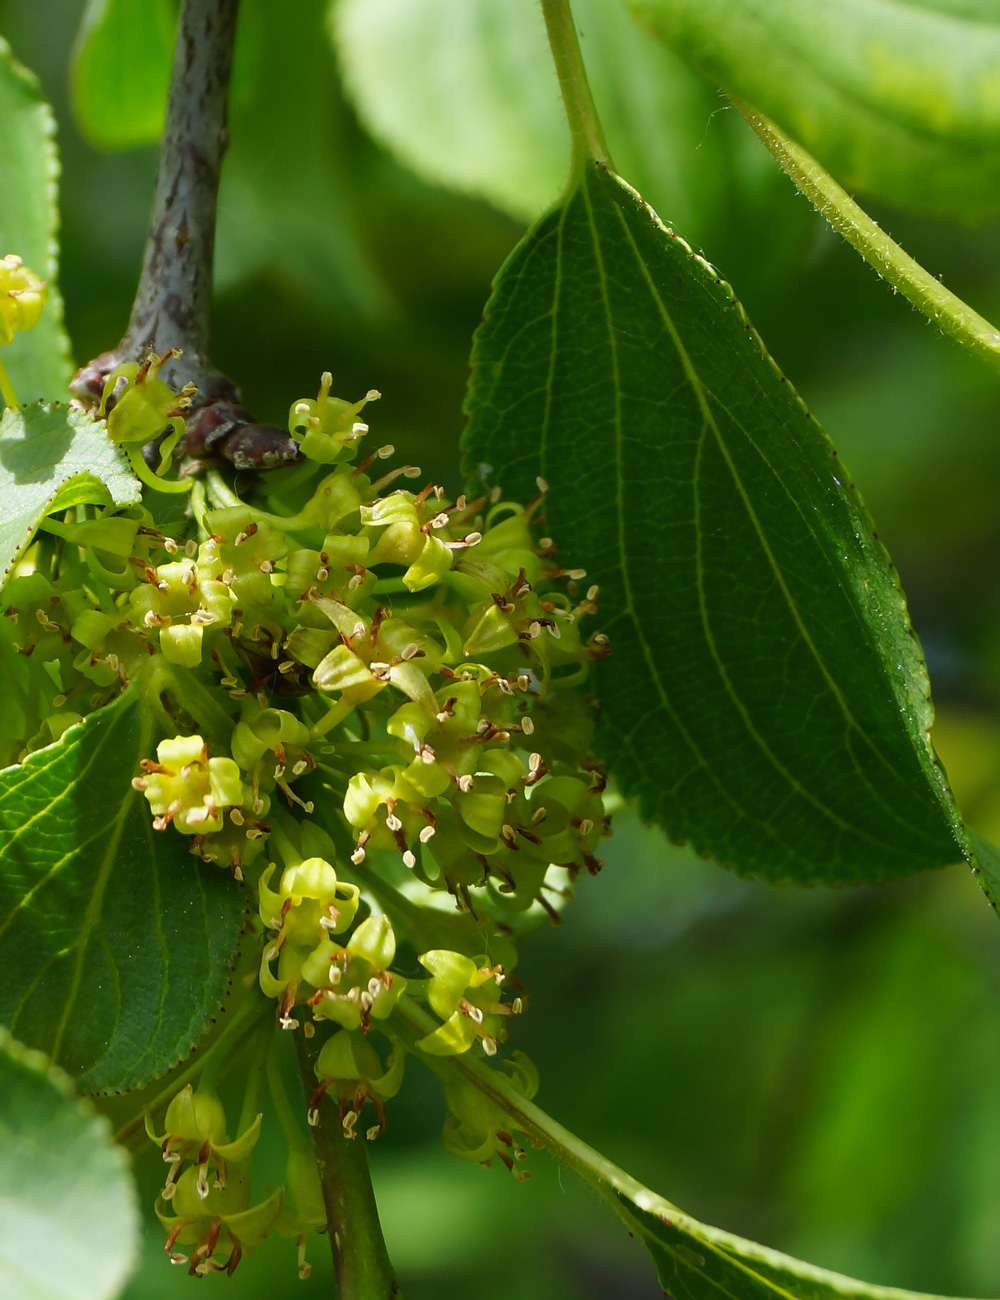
[{"x": 172, "y": 307}]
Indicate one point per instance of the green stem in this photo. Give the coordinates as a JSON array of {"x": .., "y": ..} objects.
[
  {"x": 221, "y": 494},
  {"x": 255, "y": 1075},
  {"x": 360, "y": 1259},
  {"x": 7, "y": 388},
  {"x": 160, "y": 675},
  {"x": 290, "y": 1126},
  {"x": 595, "y": 1169},
  {"x": 945, "y": 308},
  {"x": 584, "y": 124},
  {"x": 142, "y": 472}
]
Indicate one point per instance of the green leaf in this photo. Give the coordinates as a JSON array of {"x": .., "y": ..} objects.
[
  {"x": 766, "y": 698},
  {"x": 898, "y": 100},
  {"x": 70, "y": 1224},
  {"x": 51, "y": 458},
  {"x": 116, "y": 943},
  {"x": 464, "y": 92},
  {"x": 694, "y": 1261},
  {"x": 38, "y": 360},
  {"x": 121, "y": 71}
]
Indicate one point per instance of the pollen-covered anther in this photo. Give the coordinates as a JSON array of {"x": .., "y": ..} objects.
[
  {"x": 409, "y": 859},
  {"x": 426, "y": 834},
  {"x": 465, "y": 783}
]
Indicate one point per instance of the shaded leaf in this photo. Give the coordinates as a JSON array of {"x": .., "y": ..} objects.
[
  {"x": 38, "y": 360},
  {"x": 898, "y": 100},
  {"x": 465, "y": 93},
  {"x": 766, "y": 698},
  {"x": 69, "y": 1228},
  {"x": 52, "y": 458},
  {"x": 115, "y": 941},
  {"x": 121, "y": 71}
]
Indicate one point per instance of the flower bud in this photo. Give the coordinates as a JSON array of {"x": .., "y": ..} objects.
[{"x": 22, "y": 297}]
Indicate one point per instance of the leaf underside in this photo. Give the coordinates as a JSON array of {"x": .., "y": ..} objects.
[
  {"x": 766, "y": 698},
  {"x": 116, "y": 943},
  {"x": 52, "y": 458},
  {"x": 70, "y": 1224},
  {"x": 900, "y": 100}
]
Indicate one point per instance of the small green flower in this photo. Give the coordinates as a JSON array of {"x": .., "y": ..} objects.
[
  {"x": 466, "y": 997},
  {"x": 353, "y": 983},
  {"x": 178, "y": 604},
  {"x": 304, "y": 1210},
  {"x": 350, "y": 1069},
  {"x": 325, "y": 427},
  {"x": 144, "y": 409},
  {"x": 310, "y": 903},
  {"x": 186, "y": 787},
  {"x": 478, "y": 1128},
  {"x": 222, "y": 1226},
  {"x": 195, "y": 1128}
]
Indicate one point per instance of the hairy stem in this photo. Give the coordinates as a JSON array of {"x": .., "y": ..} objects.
[
  {"x": 945, "y": 308},
  {"x": 584, "y": 125},
  {"x": 360, "y": 1259}
]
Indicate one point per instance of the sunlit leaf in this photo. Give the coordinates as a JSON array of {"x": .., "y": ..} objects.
[
  {"x": 465, "y": 93},
  {"x": 897, "y": 100},
  {"x": 69, "y": 1223},
  {"x": 38, "y": 360},
  {"x": 52, "y": 458},
  {"x": 121, "y": 71}
]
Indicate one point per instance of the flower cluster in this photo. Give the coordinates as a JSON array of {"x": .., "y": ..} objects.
[{"x": 372, "y": 710}]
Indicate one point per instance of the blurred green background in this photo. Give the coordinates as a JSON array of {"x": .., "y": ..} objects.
[{"x": 817, "y": 1070}]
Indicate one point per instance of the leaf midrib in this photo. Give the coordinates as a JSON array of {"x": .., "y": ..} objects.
[{"x": 709, "y": 421}]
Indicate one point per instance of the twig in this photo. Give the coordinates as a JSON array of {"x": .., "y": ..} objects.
[{"x": 172, "y": 306}]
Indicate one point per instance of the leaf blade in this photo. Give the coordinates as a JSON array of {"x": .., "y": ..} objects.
[
  {"x": 464, "y": 92},
  {"x": 121, "y": 72},
  {"x": 611, "y": 355},
  {"x": 694, "y": 1260},
  {"x": 99, "y": 911},
  {"x": 52, "y": 457},
  {"x": 896, "y": 100},
  {"x": 38, "y": 361}
]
